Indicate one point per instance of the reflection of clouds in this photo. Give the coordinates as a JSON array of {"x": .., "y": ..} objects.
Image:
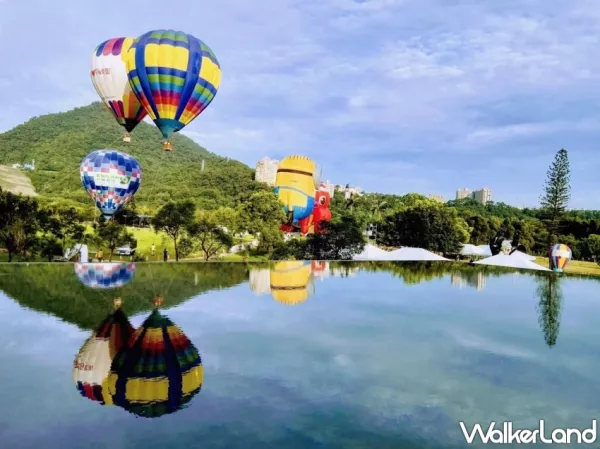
[{"x": 476, "y": 342}]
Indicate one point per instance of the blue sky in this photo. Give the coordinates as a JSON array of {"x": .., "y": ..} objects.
[{"x": 395, "y": 96}]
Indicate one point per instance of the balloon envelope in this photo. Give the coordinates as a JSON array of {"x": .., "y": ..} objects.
[
  {"x": 105, "y": 275},
  {"x": 93, "y": 362},
  {"x": 291, "y": 282},
  {"x": 111, "y": 178},
  {"x": 109, "y": 77},
  {"x": 560, "y": 255},
  {"x": 158, "y": 372},
  {"x": 295, "y": 187},
  {"x": 174, "y": 75}
]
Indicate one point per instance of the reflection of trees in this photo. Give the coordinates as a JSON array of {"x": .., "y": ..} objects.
[
  {"x": 55, "y": 289},
  {"x": 550, "y": 297},
  {"x": 416, "y": 272}
]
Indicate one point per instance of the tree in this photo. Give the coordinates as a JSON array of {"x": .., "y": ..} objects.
[
  {"x": 19, "y": 223},
  {"x": 210, "y": 235},
  {"x": 63, "y": 222},
  {"x": 262, "y": 209},
  {"x": 435, "y": 228},
  {"x": 111, "y": 235},
  {"x": 557, "y": 192},
  {"x": 174, "y": 218},
  {"x": 341, "y": 239}
]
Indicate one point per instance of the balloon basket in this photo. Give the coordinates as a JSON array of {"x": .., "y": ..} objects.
[
  {"x": 167, "y": 146},
  {"x": 127, "y": 138}
]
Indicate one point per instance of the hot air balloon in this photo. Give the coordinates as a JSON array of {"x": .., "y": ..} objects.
[
  {"x": 560, "y": 255},
  {"x": 109, "y": 77},
  {"x": 92, "y": 364},
  {"x": 105, "y": 275},
  {"x": 320, "y": 214},
  {"x": 175, "y": 76},
  {"x": 295, "y": 184},
  {"x": 111, "y": 178},
  {"x": 158, "y": 372},
  {"x": 291, "y": 282}
]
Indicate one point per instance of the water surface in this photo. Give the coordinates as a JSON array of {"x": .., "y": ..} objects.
[{"x": 301, "y": 355}]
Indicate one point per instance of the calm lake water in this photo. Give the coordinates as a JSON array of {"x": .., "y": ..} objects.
[{"x": 300, "y": 355}]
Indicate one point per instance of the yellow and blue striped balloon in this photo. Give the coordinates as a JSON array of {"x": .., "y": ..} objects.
[{"x": 174, "y": 75}]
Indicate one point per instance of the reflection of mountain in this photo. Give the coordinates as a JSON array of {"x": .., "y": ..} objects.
[
  {"x": 550, "y": 297},
  {"x": 476, "y": 279},
  {"x": 55, "y": 288}
]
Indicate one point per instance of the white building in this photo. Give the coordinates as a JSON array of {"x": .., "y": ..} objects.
[
  {"x": 436, "y": 197},
  {"x": 329, "y": 187},
  {"x": 483, "y": 196},
  {"x": 463, "y": 193},
  {"x": 349, "y": 191},
  {"x": 266, "y": 171}
]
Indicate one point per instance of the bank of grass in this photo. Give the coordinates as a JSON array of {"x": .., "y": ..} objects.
[{"x": 579, "y": 267}]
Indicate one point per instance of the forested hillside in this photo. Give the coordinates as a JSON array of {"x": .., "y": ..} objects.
[{"x": 58, "y": 143}]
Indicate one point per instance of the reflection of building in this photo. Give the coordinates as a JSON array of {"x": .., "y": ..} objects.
[
  {"x": 266, "y": 171},
  {"x": 436, "y": 197},
  {"x": 260, "y": 281},
  {"x": 475, "y": 279},
  {"x": 344, "y": 272},
  {"x": 483, "y": 196}
]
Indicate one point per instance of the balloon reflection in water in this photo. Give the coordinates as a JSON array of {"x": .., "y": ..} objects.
[
  {"x": 92, "y": 364},
  {"x": 105, "y": 275},
  {"x": 291, "y": 282},
  {"x": 158, "y": 372}
]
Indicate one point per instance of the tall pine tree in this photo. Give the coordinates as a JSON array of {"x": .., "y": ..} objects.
[{"x": 557, "y": 192}]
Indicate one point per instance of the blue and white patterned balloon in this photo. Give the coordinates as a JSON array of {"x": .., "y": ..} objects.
[
  {"x": 111, "y": 178},
  {"x": 105, "y": 275}
]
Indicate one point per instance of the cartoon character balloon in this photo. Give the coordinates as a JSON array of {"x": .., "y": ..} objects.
[
  {"x": 560, "y": 255},
  {"x": 175, "y": 76},
  {"x": 295, "y": 183},
  {"x": 111, "y": 178},
  {"x": 291, "y": 282},
  {"x": 109, "y": 77},
  {"x": 321, "y": 213},
  {"x": 105, "y": 275}
]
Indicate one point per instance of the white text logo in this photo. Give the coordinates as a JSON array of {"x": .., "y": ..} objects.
[{"x": 505, "y": 434}]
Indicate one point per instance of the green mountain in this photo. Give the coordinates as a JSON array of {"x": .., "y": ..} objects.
[{"x": 58, "y": 143}]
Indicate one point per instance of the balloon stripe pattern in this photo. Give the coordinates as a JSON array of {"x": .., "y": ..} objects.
[
  {"x": 174, "y": 75},
  {"x": 158, "y": 372},
  {"x": 560, "y": 255},
  {"x": 105, "y": 275},
  {"x": 109, "y": 77},
  {"x": 111, "y": 178}
]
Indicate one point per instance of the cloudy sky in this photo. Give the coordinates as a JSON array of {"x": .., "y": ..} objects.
[{"x": 395, "y": 96}]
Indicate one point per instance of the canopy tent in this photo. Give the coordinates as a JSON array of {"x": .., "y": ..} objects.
[
  {"x": 371, "y": 252},
  {"x": 414, "y": 254},
  {"x": 523, "y": 255},
  {"x": 505, "y": 260}
]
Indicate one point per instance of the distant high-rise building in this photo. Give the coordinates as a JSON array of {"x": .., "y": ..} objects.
[
  {"x": 483, "y": 196},
  {"x": 463, "y": 193},
  {"x": 436, "y": 197},
  {"x": 266, "y": 171},
  {"x": 328, "y": 187}
]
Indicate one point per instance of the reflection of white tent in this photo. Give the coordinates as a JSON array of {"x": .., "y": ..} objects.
[
  {"x": 523, "y": 255},
  {"x": 371, "y": 252},
  {"x": 413, "y": 254},
  {"x": 504, "y": 260}
]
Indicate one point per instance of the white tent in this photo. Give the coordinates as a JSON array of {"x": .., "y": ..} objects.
[
  {"x": 485, "y": 250},
  {"x": 504, "y": 260},
  {"x": 472, "y": 250},
  {"x": 414, "y": 254},
  {"x": 523, "y": 255},
  {"x": 371, "y": 252}
]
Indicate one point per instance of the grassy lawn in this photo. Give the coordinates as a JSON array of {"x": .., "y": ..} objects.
[{"x": 575, "y": 266}]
